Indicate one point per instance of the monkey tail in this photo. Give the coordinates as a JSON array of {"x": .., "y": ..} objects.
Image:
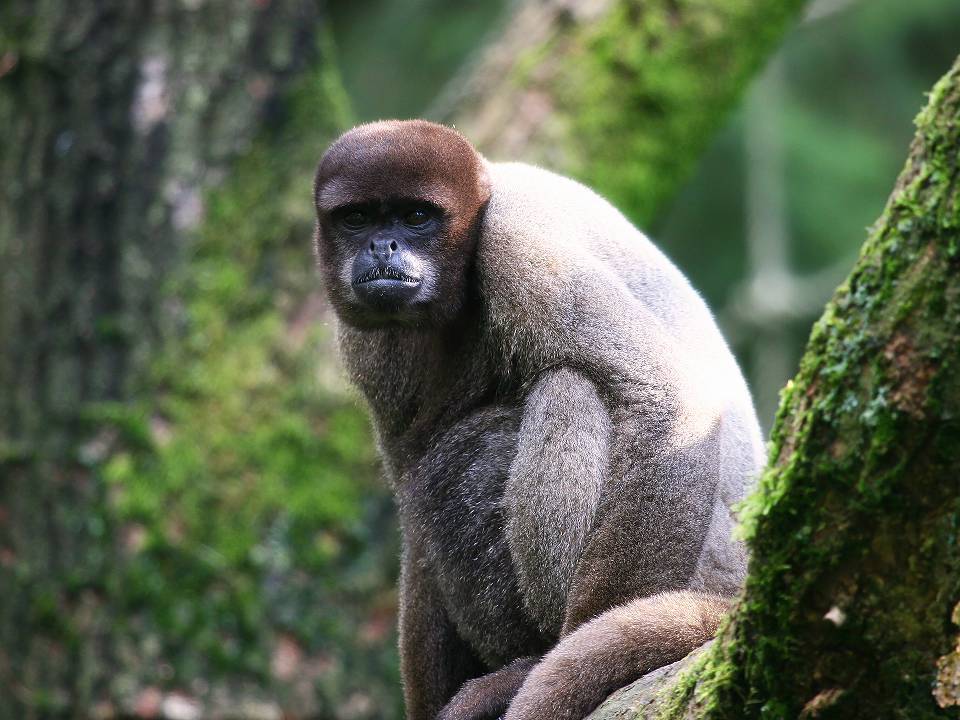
[{"x": 614, "y": 649}]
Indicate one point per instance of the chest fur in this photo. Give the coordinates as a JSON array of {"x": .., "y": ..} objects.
[{"x": 453, "y": 497}]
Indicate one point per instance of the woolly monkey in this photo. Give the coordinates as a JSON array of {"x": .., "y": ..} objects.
[{"x": 562, "y": 423}]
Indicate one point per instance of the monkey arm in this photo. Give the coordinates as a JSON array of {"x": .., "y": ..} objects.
[
  {"x": 554, "y": 488},
  {"x": 434, "y": 661}
]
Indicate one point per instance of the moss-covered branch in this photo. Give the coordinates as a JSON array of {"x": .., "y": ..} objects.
[
  {"x": 622, "y": 94},
  {"x": 855, "y": 569}
]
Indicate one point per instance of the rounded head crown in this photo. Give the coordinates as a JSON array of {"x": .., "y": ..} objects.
[{"x": 402, "y": 158}]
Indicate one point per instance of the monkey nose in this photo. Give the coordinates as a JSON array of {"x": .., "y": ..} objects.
[{"x": 383, "y": 248}]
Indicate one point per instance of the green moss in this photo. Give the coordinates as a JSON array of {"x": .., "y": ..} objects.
[
  {"x": 634, "y": 98},
  {"x": 242, "y": 488},
  {"x": 857, "y": 514},
  {"x": 682, "y": 690}
]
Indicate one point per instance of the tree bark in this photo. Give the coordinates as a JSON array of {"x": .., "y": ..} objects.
[
  {"x": 116, "y": 116},
  {"x": 622, "y": 94},
  {"x": 852, "y": 600}
]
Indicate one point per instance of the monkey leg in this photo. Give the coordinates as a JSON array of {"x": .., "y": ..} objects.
[
  {"x": 434, "y": 660},
  {"x": 614, "y": 649},
  {"x": 487, "y": 697}
]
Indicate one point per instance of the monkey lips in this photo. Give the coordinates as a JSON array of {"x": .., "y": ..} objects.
[{"x": 385, "y": 286}]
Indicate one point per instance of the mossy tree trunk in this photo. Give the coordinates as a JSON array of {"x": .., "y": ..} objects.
[
  {"x": 115, "y": 116},
  {"x": 852, "y": 602},
  {"x": 622, "y": 94}
]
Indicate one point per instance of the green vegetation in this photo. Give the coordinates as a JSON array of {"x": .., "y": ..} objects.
[
  {"x": 624, "y": 95},
  {"x": 640, "y": 100},
  {"x": 246, "y": 490},
  {"x": 396, "y": 55},
  {"x": 836, "y": 106},
  {"x": 855, "y": 566}
]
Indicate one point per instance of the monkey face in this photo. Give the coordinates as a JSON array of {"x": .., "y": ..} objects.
[
  {"x": 384, "y": 253},
  {"x": 398, "y": 211}
]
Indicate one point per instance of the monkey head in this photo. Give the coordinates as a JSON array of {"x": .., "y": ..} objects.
[{"x": 398, "y": 212}]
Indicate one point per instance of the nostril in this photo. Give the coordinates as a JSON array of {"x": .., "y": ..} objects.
[
  {"x": 393, "y": 245},
  {"x": 371, "y": 247}
]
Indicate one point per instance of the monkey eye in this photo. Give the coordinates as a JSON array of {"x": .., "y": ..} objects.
[
  {"x": 416, "y": 217},
  {"x": 355, "y": 220}
]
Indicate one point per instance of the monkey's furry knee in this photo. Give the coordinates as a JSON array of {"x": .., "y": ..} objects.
[{"x": 614, "y": 649}]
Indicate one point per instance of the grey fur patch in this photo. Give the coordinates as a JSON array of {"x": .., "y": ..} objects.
[{"x": 556, "y": 479}]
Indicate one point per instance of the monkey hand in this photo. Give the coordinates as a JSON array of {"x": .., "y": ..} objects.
[
  {"x": 474, "y": 701},
  {"x": 487, "y": 697}
]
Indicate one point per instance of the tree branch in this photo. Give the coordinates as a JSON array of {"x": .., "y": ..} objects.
[
  {"x": 855, "y": 566},
  {"x": 622, "y": 94}
]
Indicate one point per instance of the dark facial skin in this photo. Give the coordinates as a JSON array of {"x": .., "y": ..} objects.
[{"x": 391, "y": 243}]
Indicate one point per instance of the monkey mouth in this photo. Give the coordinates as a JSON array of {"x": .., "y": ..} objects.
[{"x": 386, "y": 272}]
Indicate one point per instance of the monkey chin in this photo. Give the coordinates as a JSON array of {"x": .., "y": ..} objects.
[{"x": 384, "y": 303}]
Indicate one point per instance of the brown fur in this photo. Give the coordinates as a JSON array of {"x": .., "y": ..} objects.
[
  {"x": 489, "y": 695},
  {"x": 614, "y": 649},
  {"x": 564, "y": 427},
  {"x": 415, "y": 159}
]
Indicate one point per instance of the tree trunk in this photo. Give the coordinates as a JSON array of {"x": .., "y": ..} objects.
[
  {"x": 622, "y": 94},
  {"x": 852, "y": 600},
  {"x": 116, "y": 116}
]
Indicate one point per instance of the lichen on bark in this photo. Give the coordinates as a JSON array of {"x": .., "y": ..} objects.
[
  {"x": 855, "y": 567},
  {"x": 947, "y": 688}
]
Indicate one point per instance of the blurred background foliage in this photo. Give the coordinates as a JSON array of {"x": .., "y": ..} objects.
[
  {"x": 257, "y": 551},
  {"x": 395, "y": 56},
  {"x": 772, "y": 219},
  {"x": 262, "y": 546}
]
